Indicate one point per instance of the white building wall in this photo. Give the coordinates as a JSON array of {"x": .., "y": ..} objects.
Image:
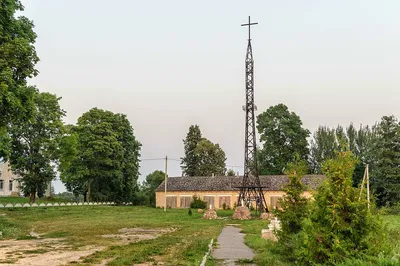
[{"x": 9, "y": 184}]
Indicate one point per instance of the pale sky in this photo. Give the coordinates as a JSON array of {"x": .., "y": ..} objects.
[{"x": 170, "y": 64}]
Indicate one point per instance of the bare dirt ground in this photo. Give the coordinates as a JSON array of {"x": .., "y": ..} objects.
[
  {"x": 37, "y": 252},
  {"x": 54, "y": 251},
  {"x": 129, "y": 235}
]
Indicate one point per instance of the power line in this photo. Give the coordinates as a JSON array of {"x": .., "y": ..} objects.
[
  {"x": 160, "y": 159},
  {"x": 178, "y": 160}
]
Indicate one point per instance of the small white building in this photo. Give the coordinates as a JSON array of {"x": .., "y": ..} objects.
[{"x": 9, "y": 183}]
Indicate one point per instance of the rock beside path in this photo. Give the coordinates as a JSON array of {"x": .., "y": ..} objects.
[
  {"x": 266, "y": 216},
  {"x": 210, "y": 214},
  {"x": 241, "y": 213}
]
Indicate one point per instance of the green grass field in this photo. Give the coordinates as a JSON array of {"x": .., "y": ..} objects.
[
  {"x": 81, "y": 226},
  {"x": 84, "y": 225}
]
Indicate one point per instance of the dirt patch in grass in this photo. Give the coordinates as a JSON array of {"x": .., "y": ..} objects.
[
  {"x": 41, "y": 252},
  {"x": 131, "y": 235}
]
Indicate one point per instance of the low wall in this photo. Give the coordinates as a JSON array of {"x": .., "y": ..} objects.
[{"x": 56, "y": 204}]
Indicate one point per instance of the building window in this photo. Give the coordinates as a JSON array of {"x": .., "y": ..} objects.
[
  {"x": 171, "y": 201},
  {"x": 10, "y": 185},
  {"x": 275, "y": 202},
  {"x": 185, "y": 201},
  {"x": 210, "y": 201},
  {"x": 226, "y": 200},
  {"x": 1, "y": 184}
]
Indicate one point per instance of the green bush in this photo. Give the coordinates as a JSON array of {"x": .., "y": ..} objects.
[
  {"x": 393, "y": 210},
  {"x": 293, "y": 209},
  {"x": 339, "y": 225},
  {"x": 197, "y": 203}
]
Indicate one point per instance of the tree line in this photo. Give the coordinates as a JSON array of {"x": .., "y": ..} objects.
[
  {"x": 99, "y": 156},
  {"x": 283, "y": 139}
]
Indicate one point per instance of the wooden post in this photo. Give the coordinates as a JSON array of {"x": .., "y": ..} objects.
[
  {"x": 88, "y": 194},
  {"x": 165, "y": 183},
  {"x": 367, "y": 170},
  {"x": 363, "y": 181}
]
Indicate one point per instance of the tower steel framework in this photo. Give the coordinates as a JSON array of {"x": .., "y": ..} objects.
[{"x": 250, "y": 189}]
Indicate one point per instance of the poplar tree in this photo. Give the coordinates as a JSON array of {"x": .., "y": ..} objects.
[{"x": 190, "y": 161}]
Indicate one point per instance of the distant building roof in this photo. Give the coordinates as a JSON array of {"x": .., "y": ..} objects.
[{"x": 229, "y": 183}]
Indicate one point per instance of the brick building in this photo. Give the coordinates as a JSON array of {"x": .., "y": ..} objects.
[{"x": 218, "y": 190}]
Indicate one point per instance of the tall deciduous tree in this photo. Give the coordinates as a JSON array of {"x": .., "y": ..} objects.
[
  {"x": 34, "y": 144},
  {"x": 327, "y": 142},
  {"x": 17, "y": 63},
  {"x": 230, "y": 172},
  {"x": 190, "y": 161},
  {"x": 105, "y": 161},
  {"x": 323, "y": 147},
  {"x": 152, "y": 181},
  {"x": 283, "y": 137},
  {"x": 211, "y": 159},
  {"x": 386, "y": 172}
]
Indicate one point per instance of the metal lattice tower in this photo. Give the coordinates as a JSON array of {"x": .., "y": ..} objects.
[{"x": 250, "y": 189}]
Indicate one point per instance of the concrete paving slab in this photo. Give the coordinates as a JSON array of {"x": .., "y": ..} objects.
[{"x": 231, "y": 247}]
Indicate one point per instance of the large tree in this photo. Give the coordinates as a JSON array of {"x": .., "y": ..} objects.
[
  {"x": 283, "y": 138},
  {"x": 34, "y": 144},
  {"x": 211, "y": 159},
  {"x": 152, "y": 182},
  {"x": 17, "y": 63},
  {"x": 323, "y": 147},
  {"x": 230, "y": 172},
  {"x": 386, "y": 172},
  {"x": 190, "y": 161},
  {"x": 101, "y": 157}
]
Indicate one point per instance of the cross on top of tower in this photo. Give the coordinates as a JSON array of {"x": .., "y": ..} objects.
[{"x": 249, "y": 24}]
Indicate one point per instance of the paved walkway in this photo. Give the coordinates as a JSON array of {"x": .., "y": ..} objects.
[{"x": 231, "y": 246}]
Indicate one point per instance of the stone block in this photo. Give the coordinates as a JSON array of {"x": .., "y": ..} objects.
[
  {"x": 26, "y": 205},
  {"x": 210, "y": 214},
  {"x": 80, "y": 203},
  {"x": 34, "y": 205},
  {"x": 275, "y": 224},
  {"x": 42, "y": 204},
  {"x": 18, "y": 205},
  {"x": 241, "y": 213},
  {"x": 266, "y": 216}
]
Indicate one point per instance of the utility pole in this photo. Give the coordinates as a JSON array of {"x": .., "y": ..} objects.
[
  {"x": 165, "y": 183},
  {"x": 365, "y": 179},
  {"x": 368, "y": 185}
]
